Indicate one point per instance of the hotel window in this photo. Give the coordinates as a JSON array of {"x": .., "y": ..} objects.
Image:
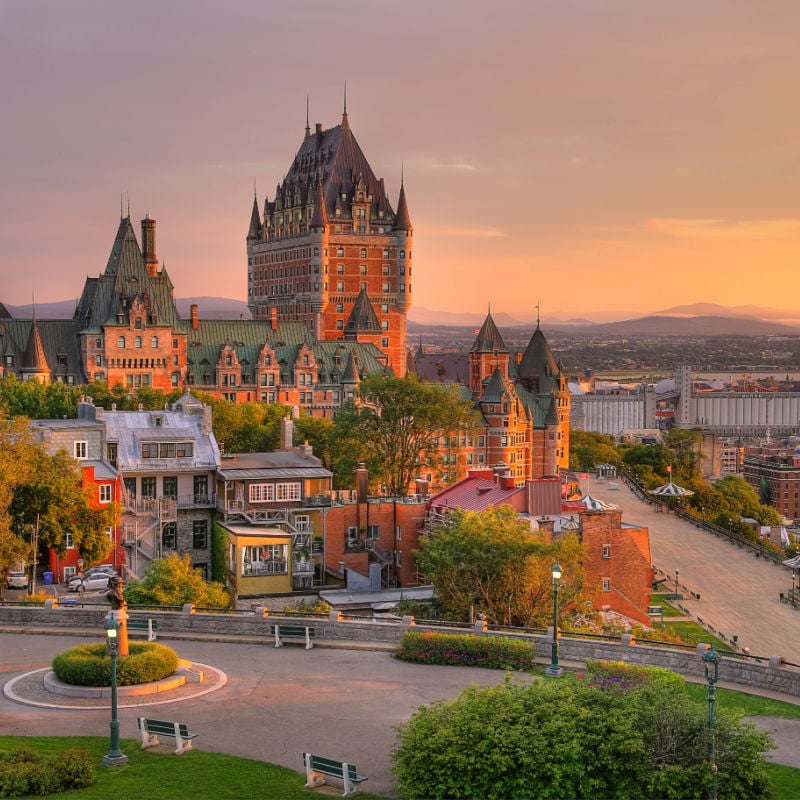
[
  {"x": 606, "y": 584},
  {"x": 154, "y": 342},
  {"x": 606, "y": 551},
  {"x": 105, "y": 492},
  {"x": 98, "y": 361},
  {"x": 363, "y": 249},
  {"x": 170, "y": 487},
  {"x": 363, "y": 269},
  {"x": 200, "y": 534},
  {"x": 385, "y": 341},
  {"x": 137, "y": 342},
  {"x": 81, "y": 449},
  {"x": 385, "y": 269},
  {"x": 121, "y": 342},
  {"x": 339, "y": 325},
  {"x": 340, "y": 308},
  {"x": 169, "y": 536},
  {"x": 340, "y": 252},
  {"x": 339, "y": 286},
  {"x": 138, "y": 323}
]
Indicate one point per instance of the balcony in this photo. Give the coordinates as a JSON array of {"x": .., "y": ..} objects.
[{"x": 260, "y": 568}]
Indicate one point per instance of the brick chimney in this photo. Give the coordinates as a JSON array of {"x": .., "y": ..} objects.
[
  {"x": 273, "y": 318},
  {"x": 287, "y": 433},
  {"x": 149, "y": 245},
  {"x": 194, "y": 315}
]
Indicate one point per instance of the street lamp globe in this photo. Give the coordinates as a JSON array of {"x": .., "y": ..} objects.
[{"x": 555, "y": 670}]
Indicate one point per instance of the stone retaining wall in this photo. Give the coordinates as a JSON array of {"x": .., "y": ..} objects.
[{"x": 773, "y": 675}]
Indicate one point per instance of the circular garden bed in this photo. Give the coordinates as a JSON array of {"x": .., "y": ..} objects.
[{"x": 90, "y": 664}]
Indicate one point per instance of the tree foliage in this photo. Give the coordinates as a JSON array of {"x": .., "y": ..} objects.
[
  {"x": 587, "y": 449},
  {"x": 44, "y": 493},
  {"x": 491, "y": 563},
  {"x": 570, "y": 739},
  {"x": 396, "y": 428},
  {"x": 172, "y": 581}
]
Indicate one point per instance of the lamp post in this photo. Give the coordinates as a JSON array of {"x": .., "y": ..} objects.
[
  {"x": 711, "y": 659},
  {"x": 114, "y": 757},
  {"x": 554, "y": 670},
  {"x": 677, "y": 592}
]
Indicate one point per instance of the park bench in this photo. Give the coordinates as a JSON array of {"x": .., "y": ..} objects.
[
  {"x": 318, "y": 767},
  {"x": 304, "y": 632},
  {"x": 151, "y": 729},
  {"x": 148, "y": 625}
]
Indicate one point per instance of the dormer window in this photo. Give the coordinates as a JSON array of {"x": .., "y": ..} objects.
[{"x": 138, "y": 323}]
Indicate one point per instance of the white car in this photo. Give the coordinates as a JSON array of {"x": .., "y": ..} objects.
[
  {"x": 17, "y": 580},
  {"x": 90, "y": 583},
  {"x": 104, "y": 569}
]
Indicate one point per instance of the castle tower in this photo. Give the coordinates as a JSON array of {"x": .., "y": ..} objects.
[
  {"x": 488, "y": 353},
  {"x": 329, "y": 235}
]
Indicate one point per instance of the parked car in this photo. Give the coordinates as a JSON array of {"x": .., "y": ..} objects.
[
  {"x": 102, "y": 569},
  {"x": 17, "y": 580},
  {"x": 90, "y": 583}
]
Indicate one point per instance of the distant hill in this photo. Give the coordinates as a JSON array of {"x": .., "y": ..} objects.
[{"x": 693, "y": 326}]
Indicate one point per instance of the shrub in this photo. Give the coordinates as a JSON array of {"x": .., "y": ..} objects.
[
  {"x": 569, "y": 739},
  {"x": 494, "y": 652},
  {"x": 24, "y": 772},
  {"x": 610, "y": 675},
  {"x": 90, "y": 665}
]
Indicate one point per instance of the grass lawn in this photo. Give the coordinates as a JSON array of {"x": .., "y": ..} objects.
[{"x": 163, "y": 776}]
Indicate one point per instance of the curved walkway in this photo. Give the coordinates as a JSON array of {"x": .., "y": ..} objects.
[
  {"x": 278, "y": 703},
  {"x": 739, "y": 593}
]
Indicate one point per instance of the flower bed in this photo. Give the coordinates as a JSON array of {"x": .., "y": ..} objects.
[{"x": 494, "y": 652}]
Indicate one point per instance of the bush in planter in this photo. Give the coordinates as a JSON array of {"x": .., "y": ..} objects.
[
  {"x": 90, "y": 664},
  {"x": 494, "y": 652}
]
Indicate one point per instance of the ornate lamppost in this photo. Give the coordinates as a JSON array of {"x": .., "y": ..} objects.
[
  {"x": 114, "y": 757},
  {"x": 554, "y": 670},
  {"x": 711, "y": 659},
  {"x": 677, "y": 592}
]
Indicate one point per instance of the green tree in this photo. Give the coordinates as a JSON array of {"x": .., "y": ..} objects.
[
  {"x": 587, "y": 449},
  {"x": 172, "y": 581},
  {"x": 574, "y": 739},
  {"x": 246, "y": 427},
  {"x": 491, "y": 563},
  {"x": 686, "y": 457},
  {"x": 400, "y": 424}
]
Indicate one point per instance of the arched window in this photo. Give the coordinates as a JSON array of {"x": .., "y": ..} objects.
[
  {"x": 137, "y": 342},
  {"x": 154, "y": 342},
  {"x": 121, "y": 342}
]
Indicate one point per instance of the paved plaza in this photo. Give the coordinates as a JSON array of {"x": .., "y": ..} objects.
[{"x": 739, "y": 593}]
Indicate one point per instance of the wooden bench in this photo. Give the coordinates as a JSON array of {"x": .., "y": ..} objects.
[
  {"x": 304, "y": 632},
  {"x": 151, "y": 729},
  {"x": 317, "y": 767},
  {"x": 149, "y": 625}
]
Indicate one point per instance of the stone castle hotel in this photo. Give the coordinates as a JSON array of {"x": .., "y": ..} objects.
[{"x": 330, "y": 268}]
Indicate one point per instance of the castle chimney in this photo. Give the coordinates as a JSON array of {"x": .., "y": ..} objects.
[
  {"x": 194, "y": 314},
  {"x": 149, "y": 245}
]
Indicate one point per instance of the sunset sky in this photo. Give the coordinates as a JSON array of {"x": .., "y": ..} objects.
[{"x": 605, "y": 159}]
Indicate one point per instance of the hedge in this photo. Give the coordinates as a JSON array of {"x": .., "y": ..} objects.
[
  {"x": 90, "y": 665},
  {"x": 494, "y": 652}
]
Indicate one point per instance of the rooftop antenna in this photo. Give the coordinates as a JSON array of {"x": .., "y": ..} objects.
[
  {"x": 537, "y": 314},
  {"x": 345, "y": 123},
  {"x": 129, "y": 205}
]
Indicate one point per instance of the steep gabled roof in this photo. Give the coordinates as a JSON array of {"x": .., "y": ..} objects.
[
  {"x": 34, "y": 359},
  {"x": 495, "y": 389},
  {"x": 255, "y": 220},
  {"x": 125, "y": 278},
  {"x": 403, "y": 219},
  {"x": 363, "y": 318},
  {"x": 538, "y": 369},
  {"x": 489, "y": 339}
]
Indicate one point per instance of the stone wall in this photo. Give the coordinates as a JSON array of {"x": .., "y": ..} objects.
[{"x": 771, "y": 674}]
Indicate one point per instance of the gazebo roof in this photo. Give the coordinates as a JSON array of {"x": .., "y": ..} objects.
[{"x": 671, "y": 490}]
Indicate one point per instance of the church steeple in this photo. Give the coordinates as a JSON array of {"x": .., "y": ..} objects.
[{"x": 255, "y": 220}]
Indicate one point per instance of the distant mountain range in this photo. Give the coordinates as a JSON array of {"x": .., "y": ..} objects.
[{"x": 697, "y": 319}]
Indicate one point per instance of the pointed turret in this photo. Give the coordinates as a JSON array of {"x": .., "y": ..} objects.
[
  {"x": 402, "y": 220},
  {"x": 363, "y": 319},
  {"x": 320, "y": 218},
  {"x": 537, "y": 370},
  {"x": 489, "y": 339},
  {"x": 34, "y": 362},
  {"x": 255, "y": 221}
]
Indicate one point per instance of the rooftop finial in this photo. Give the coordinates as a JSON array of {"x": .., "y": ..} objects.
[
  {"x": 345, "y": 123},
  {"x": 308, "y": 127},
  {"x": 537, "y": 314},
  {"x": 129, "y": 206},
  {"x": 120, "y": 205}
]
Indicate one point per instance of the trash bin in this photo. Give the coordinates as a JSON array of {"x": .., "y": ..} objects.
[{"x": 48, "y": 578}]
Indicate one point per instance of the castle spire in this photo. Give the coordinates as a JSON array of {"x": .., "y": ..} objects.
[
  {"x": 308, "y": 127},
  {"x": 345, "y": 121}
]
